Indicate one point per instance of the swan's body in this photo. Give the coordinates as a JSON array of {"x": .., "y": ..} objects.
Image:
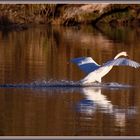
[{"x": 96, "y": 72}]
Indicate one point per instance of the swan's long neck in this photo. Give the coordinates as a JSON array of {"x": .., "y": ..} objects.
[{"x": 120, "y": 54}]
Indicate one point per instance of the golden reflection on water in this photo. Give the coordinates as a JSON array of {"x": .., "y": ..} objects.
[{"x": 44, "y": 53}]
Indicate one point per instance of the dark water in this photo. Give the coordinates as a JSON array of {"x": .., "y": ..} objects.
[{"x": 41, "y": 55}]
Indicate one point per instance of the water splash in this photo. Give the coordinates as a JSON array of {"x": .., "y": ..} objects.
[{"x": 63, "y": 84}]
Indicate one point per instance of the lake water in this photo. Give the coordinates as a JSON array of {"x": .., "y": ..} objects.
[{"x": 41, "y": 55}]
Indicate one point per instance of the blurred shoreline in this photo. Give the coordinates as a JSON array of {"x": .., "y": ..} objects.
[{"x": 22, "y": 16}]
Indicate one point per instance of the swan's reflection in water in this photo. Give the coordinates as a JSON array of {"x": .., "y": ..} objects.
[{"x": 95, "y": 101}]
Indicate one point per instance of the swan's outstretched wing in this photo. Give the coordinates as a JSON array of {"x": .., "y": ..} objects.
[
  {"x": 86, "y": 64},
  {"x": 122, "y": 62}
]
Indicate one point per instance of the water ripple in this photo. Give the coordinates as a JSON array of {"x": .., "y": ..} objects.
[{"x": 63, "y": 83}]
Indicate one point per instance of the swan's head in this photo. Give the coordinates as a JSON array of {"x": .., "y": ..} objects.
[{"x": 121, "y": 54}]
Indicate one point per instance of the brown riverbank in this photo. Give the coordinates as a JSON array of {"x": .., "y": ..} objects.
[{"x": 23, "y": 15}]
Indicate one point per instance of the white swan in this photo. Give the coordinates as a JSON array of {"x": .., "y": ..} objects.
[{"x": 96, "y": 72}]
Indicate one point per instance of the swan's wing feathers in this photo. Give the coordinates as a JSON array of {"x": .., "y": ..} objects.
[
  {"x": 86, "y": 64},
  {"x": 122, "y": 62}
]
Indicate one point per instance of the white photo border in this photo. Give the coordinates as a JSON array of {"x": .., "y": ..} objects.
[{"x": 70, "y": 2}]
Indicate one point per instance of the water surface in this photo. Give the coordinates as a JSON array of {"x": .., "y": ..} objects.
[{"x": 42, "y": 54}]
